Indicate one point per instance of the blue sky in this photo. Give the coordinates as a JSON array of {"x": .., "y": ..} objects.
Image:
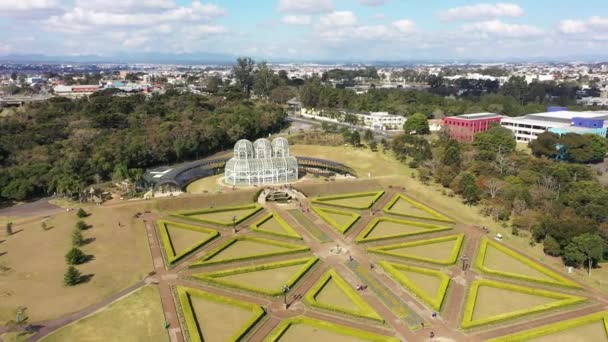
[{"x": 309, "y": 29}]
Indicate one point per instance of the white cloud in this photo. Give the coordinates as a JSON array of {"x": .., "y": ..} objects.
[
  {"x": 338, "y": 19},
  {"x": 501, "y": 29},
  {"x": 594, "y": 24},
  {"x": 27, "y": 5},
  {"x": 404, "y": 26},
  {"x": 306, "y": 6},
  {"x": 482, "y": 11},
  {"x": 572, "y": 26},
  {"x": 296, "y": 19},
  {"x": 206, "y": 29},
  {"x": 131, "y": 5},
  {"x": 372, "y": 2},
  {"x": 82, "y": 20}
]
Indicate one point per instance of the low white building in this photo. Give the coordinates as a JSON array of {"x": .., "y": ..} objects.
[
  {"x": 527, "y": 128},
  {"x": 375, "y": 120}
]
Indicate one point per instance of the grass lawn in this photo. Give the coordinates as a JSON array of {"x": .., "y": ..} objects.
[
  {"x": 245, "y": 248},
  {"x": 440, "y": 251},
  {"x": 428, "y": 283},
  {"x": 137, "y": 317},
  {"x": 595, "y": 331},
  {"x": 209, "y": 184},
  {"x": 500, "y": 261},
  {"x": 340, "y": 219},
  {"x": 271, "y": 278},
  {"x": 331, "y": 294},
  {"x": 15, "y": 336},
  {"x": 223, "y": 216},
  {"x": 182, "y": 239},
  {"x": 306, "y": 333},
  {"x": 36, "y": 261},
  {"x": 493, "y": 301},
  {"x": 405, "y": 208},
  {"x": 351, "y": 202}
]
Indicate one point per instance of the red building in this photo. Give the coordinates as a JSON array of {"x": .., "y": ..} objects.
[{"x": 464, "y": 127}]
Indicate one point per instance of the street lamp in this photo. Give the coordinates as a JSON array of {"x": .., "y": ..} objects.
[
  {"x": 234, "y": 224},
  {"x": 285, "y": 289}
]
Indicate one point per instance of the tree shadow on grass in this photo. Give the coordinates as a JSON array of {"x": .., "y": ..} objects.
[
  {"x": 3, "y": 253},
  {"x": 34, "y": 328},
  {"x": 1, "y": 241},
  {"x": 85, "y": 278},
  {"x": 88, "y": 240},
  {"x": 16, "y": 232}
]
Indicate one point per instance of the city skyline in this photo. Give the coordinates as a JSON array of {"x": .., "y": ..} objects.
[{"x": 344, "y": 30}]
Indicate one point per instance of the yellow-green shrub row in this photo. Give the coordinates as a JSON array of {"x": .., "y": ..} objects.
[
  {"x": 172, "y": 256},
  {"x": 468, "y": 322},
  {"x": 191, "y": 323},
  {"x": 434, "y": 215},
  {"x": 340, "y": 228},
  {"x": 386, "y": 250},
  {"x": 188, "y": 214},
  {"x": 365, "y": 311},
  {"x": 280, "y": 330},
  {"x": 426, "y": 228},
  {"x": 289, "y": 231},
  {"x": 216, "y": 277},
  {"x": 435, "y": 303},
  {"x": 556, "y": 328},
  {"x": 323, "y": 200},
  {"x": 293, "y": 249},
  {"x": 481, "y": 256}
]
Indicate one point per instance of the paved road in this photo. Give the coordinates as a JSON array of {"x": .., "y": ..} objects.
[{"x": 39, "y": 207}]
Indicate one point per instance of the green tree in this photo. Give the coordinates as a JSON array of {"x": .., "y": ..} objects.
[
  {"x": 587, "y": 248},
  {"x": 81, "y": 225},
  {"x": 77, "y": 238},
  {"x": 75, "y": 257},
  {"x": 545, "y": 145},
  {"x": 81, "y": 213},
  {"x": 242, "y": 72},
  {"x": 9, "y": 228},
  {"x": 599, "y": 146},
  {"x": 417, "y": 123},
  {"x": 496, "y": 139},
  {"x": 213, "y": 84},
  {"x": 576, "y": 148},
  {"x": 551, "y": 246},
  {"x": 72, "y": 276},
  {"x": 368, "y": 135},
  {"x": 264, "y": 80},
  {"x": 355, "y": 138},
  {"x": 468, "y": 188}
]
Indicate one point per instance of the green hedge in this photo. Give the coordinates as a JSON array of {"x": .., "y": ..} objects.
[
  {"x": 376, "y": 194},
  {"x": 217, "y": 277},
  {"x": 365, "y": 311},
  {"x": 434, "y": 215},
  {"x": 187, "y": 215},
  {"x": 172, "y": 256},
  {"x": 340, "y": 228},
  {"x": 556, "y": 328},
  {"x": 468, "y": 322},
  {"x": 280, "y": 330},
  {"x": 481, "y": 256},
  {"x": 435, "y": 303},
  {"x": 293, "y": 249},
  {"x": 427, "y": 228},
  {"x": 386, "y": 250},
  {"x": 192, "y": 325},
  {"x": 289, "y": 231}
]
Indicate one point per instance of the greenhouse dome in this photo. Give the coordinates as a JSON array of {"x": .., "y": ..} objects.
[{"x": 261, "y": 163}]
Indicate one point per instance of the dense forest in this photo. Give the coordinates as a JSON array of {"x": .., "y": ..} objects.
[
  {"x": 559, "y": 204},
  {"x": 62, "y": 145}
]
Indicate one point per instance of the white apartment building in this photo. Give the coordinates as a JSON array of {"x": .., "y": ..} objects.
[
  {"x": 527, "y": 128},
  {"x": 375, "y": 120}
]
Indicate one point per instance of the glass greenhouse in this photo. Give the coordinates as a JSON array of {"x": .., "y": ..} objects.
[{"x": 261, "y": 163}]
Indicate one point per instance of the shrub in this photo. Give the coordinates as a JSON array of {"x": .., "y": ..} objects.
[
  {"x": 81, "y": 213},
  {"x": 77, "y": 238},
  {"x": 72, "y": 276},
  {"x": 75, "y": 257},
  {"x": 81, "y": 225}
]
